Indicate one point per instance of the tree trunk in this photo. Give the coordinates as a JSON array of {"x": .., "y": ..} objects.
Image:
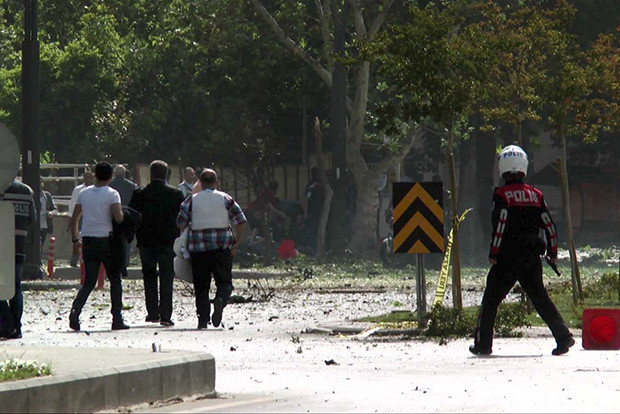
[
  {"x": 455, "y": 257},
  {"x": 364, "y": 240},
  {"x": 328, "y": 192},
  {"x": 468, "y": 189},
  {"x": 575, "y": 276}
]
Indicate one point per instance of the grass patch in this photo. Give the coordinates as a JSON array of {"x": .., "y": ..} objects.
[
  {"x": 444, "y": 322},
  {"x": 18, "y": 369},
  {"x": 599, "y": 291}
]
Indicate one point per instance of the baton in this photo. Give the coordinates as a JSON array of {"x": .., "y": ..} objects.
[{"x": 553, "y": 266}]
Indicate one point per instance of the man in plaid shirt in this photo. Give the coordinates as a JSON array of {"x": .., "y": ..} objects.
[{"x": 211, "y": 215}]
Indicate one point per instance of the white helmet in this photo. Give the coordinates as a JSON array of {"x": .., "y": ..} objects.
[{"x": 512, "y": 159}]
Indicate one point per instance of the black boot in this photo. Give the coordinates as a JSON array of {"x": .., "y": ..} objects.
[
  {"x": 74, "y": 320},
  {"x": 119, "y": 325},
  {"x": 476, "y": 350},
  {"x": 563, "y": 345}
]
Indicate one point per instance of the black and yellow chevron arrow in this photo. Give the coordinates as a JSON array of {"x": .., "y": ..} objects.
[{"x": 418, "y": 217}]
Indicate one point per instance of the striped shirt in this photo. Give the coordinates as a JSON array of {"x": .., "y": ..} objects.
[
  {"x": 211, "y": 239},
  {"x": 22, "y": 198}
]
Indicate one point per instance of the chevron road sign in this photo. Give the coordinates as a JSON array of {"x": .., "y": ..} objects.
[{"x": 418, "y": 217}]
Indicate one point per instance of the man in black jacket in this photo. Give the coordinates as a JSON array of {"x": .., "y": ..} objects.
[
  {"x": 159, "y": 205},
  {"x": 520, "y": 217}
]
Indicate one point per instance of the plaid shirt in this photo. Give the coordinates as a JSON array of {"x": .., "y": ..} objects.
[{"x": 211, "y": 239}]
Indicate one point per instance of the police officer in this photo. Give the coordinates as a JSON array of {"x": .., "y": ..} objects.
[
  {"x": 520, "y": 217},
  {"x": 11, "y": 311}
]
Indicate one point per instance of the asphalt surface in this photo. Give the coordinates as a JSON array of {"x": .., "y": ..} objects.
[{"x": 267, "y": 361}]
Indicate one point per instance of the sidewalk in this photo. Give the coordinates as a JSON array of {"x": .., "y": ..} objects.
[{"x": 94, "y": 379}]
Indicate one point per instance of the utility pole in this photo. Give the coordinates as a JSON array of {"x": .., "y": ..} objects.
[
  {"x": 30, "y": 131},
  {"x": 338, "y": 131}
]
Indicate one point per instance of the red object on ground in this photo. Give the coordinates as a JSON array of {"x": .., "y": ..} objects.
[
  {"x": 50, "y": 258},
  {"x": 287, "y": 250},
  {"x": 601, "y": 329}
]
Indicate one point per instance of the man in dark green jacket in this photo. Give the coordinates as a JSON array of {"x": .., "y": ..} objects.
[{"x": 159, "y": 204}]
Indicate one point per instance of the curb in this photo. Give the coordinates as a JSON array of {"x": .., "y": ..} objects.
[{"x": 111, "y": 388}]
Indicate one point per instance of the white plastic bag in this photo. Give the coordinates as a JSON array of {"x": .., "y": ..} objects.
[
  {"x": 183, "y": 269},
  {"x": 182, "y": 261}
]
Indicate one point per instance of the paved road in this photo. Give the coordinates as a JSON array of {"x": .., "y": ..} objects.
[
  {"x": 412, "y": 376},
  {"x": 264, "y": 362}
]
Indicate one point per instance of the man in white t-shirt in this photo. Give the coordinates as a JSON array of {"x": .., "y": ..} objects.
[
  {"x": 99, "y": 205},
  {"x": 89, "y": 179}
]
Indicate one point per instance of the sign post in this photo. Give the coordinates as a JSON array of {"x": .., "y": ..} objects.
[{"x": 418, "y": 228}]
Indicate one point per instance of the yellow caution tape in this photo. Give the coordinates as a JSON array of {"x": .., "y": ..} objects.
[{"x": 442, "y": 283}]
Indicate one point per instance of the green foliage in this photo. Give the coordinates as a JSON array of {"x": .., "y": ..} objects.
[
  {"x": 434, "y": 67},
  {"x": 17, "y": 369},
  {"x": 509, "y": 317},
  {"x": 606, "y": 287},
  {"x": 447, "y": 322}
]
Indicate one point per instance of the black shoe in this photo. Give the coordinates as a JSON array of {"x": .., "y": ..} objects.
[
  {"x": 479, "y": 351},
  {"x": 202, "y": 325},
  {"x": 152, "y": 319},
  {"x": 74, "y": 321},
  {"x": 218, "y": 307},
  {"x": 119, "y": 326},
  {"x": 166, "y": 323},
  {"x": 16, "y": 334},
  {"x": 563, "y": 346}
]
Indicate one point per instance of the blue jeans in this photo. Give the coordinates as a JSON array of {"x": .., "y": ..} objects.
[{"x": 11, "y": 311}]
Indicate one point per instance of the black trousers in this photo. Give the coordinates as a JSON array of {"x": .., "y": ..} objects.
[
  {"x": 158, "y": 305},
  {"x": 205, "y": 265},
  {"x": 500, "y": 280},
  {"x": 11, "y": 311},
  {"x": 98, "y": 250}
]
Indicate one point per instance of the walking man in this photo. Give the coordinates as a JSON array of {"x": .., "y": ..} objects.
[
  {"x": 519, "y": 216},
  {"x": 213, "y": 243},
  {"x": 99, "y": 204},
  {"x": 159, "y": 205},
  {"x": 189, "y": 178},
  {"x": 11, "y": 311}
]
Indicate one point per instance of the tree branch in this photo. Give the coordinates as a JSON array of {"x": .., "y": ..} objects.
[
  {"x": 358, "y": 19},
  {"x": 324, "y": 74},
  {"x": 413, "y": 135},
  {"x": 325, "y": 15},
  {"x": 376, "y": 25}
]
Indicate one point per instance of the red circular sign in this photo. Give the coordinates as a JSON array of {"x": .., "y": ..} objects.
[{"x": 602, "y": 329}]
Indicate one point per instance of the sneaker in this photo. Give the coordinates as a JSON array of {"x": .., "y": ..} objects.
[
  {"x": 474, "y": 349},
  {"x": 74, "y": 321},
  {"x": 152, "y": 319},
  {"x": 218, "y": 307},
  {"x": 563, "y": 346},
  {"x": 119, "y": 326},
  {"x": 202, "y": 325},
  {"x": 166, "y": 323}
]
